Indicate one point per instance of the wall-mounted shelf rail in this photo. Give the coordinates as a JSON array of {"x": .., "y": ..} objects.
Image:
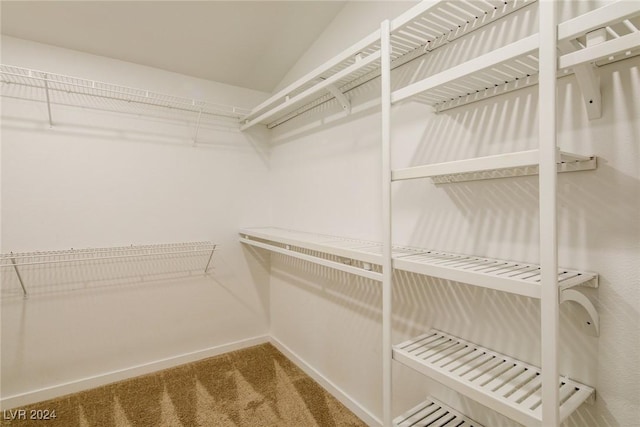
[
  {"x": 17, "y": 261},
  {"x": 502, "y": 383},
  {"x": 505, "y": 276},
  {"x": 427, "y": 26},
  {"x": 498, "y": 166},
  {"x": 60, "y": 89},
  {"x": 433, "y": 413}
]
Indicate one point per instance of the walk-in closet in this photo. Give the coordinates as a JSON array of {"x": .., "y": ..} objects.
[{"x": 320, "y": 213}]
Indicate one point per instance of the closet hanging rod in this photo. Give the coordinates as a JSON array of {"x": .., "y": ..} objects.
[{"x": 79, "y": 86}]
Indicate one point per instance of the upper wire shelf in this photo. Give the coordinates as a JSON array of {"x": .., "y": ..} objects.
[
  {"x": 606, "y": 34},
  {"x": 422, "y": 29},
  {"x": 430, "y": 25},
  {"x": 58, "y": 88},
  {"x": 21, "y": 262}
]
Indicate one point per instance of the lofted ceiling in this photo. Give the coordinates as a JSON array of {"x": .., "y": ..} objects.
[{"x": 251, "y": 44}]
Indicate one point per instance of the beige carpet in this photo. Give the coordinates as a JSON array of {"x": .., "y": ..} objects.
[{"x": 257, "y": 386}]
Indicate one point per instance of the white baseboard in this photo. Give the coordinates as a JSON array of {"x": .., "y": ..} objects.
[
  {"x": 328, "y": 385},
  {"x": 75, "y": 386}
]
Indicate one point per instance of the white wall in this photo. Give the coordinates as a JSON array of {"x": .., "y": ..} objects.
[
  {"x": 100, "y": 178},
  {"x": 326, "y": 178},
  {"x": 356, "y": 20}
]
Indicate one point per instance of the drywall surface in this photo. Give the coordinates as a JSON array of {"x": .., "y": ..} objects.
[
  {"x": 101, "y": 178},
  {"x": 325, "y": 168},
  {"x": 356, "y": 20}
]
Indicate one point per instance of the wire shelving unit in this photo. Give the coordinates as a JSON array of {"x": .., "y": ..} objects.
[
  {"x": 91, "y": 257},
  {"x": 532, "y": 396}
]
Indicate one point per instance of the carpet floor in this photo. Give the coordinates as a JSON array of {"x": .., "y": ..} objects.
[{"x": 257, "y": 386}]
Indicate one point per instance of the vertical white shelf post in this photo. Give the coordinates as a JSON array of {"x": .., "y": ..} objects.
[
  {"x": 387, "y": 273},
  {"x": 549, "y": 302}
]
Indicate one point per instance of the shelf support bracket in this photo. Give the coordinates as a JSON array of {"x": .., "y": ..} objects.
[
  {"x": 589, "y": 84},
  {"x": 210, "y": 257},
  {"x": 342, "y": 99},
  {"x": 195, "y": 136},
  {"x": 46, "y": 91},
  {"x": 15, "y": 267},
  {"x": 586, "y": 76},
  {"x": 592, "y": 321}
]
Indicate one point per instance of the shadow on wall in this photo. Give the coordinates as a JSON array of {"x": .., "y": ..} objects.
[{"x": 360, "y": 294}]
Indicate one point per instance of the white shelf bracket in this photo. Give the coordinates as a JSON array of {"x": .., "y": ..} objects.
[
  {"x": 586, "y": 75},
  {"x": 46, "y": 91},
  {"x": 592, "y": 320},
  {"x": 342, "y": 99},
  {"x": 15, "y": 267},
  {"x": 195, "y": 135},
  {"x": 210, "y": 258}
]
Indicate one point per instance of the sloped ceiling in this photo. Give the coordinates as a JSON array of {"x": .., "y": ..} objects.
[{"x": 250, "y": 44}]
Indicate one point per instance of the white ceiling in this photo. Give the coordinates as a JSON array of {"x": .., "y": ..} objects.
[{"x": 250, "y": 44}]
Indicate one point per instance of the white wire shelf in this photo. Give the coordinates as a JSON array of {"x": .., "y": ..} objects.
[
  {"x": 515, "y": 66},
  {"x": 76, "y": 257},
  {"x": 60, "y": 89},
  {"x": 521, "y": 163},
  {"x": 486, "y": 73},
  {"x": 427, "y": 26},
  {"x": 433, "y": 413},
  {"x": 504, "y": 384},
  {"x": 357, "y": 67},
  {"x": 506, "y": 276}
]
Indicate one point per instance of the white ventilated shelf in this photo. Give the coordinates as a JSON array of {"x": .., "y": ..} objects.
[
  {"x": 498, "y": 166},
  {"x": 506, "y": 276},
  {"x": 68, "y": 90},
  {"x": 515, "y": 66},
  {"x": 499, "y": 382},
  {"x": 433, "y": 413},
  {"x": 432, "y": 24},
  {"x": 420, "y": 30}
]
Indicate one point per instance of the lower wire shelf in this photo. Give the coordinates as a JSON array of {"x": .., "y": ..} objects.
[
  {"x": 504, "y": 384},
  {"x": 505, "y": 276},
  {"x": 432, "y": 413}
]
